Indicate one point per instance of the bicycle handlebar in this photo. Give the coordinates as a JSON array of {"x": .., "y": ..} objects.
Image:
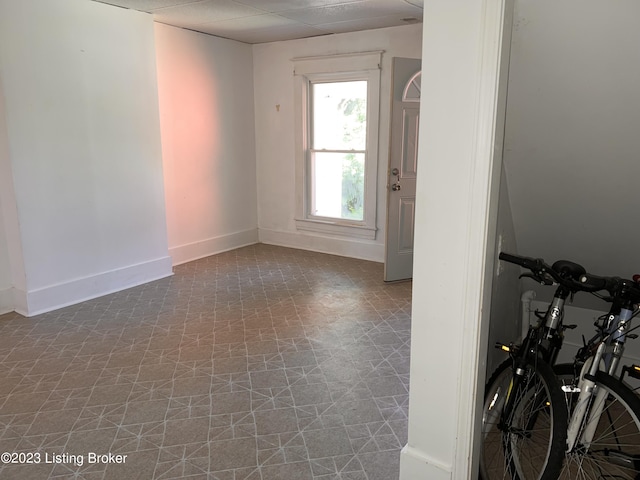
[
  {"x": 564, "y": 273},
  {"x": 575, "y": 278},
  {"x": 618, "y": 287},
  {"x": 532, "y": 264}
]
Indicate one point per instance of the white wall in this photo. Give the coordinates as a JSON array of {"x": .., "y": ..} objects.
[
  {"x": 6, "y": 295},
  {"x": 6, "y": 199},
  {"x": 6, "y": 282},
  {"x": 81, "y": 108},
  {"x": 275, "y": 153},
  {"x": 572, "y": 139},
  {"x": 205, "y": 88},
  {"x": 6, "y": 300}
]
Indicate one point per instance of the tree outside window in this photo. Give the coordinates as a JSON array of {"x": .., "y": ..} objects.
[{"x": 339, "y": 131}]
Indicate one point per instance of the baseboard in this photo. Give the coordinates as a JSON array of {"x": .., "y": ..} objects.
[
  {"x": 416, "y": 465},
  {"x": 212, "y": 246},
  {"x": 69, "y": 293},
  {"x": 6, "y": 301},
  {"x": 318, "y": 243},
  {"x": 20, "y": 301}
]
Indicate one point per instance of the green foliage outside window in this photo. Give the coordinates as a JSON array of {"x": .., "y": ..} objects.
[{"x": 353, "y": 167}]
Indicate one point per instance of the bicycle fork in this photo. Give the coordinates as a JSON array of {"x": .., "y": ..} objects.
[
  {"x": 582, "y": 426},
  {"x": 591, "y": 399}
]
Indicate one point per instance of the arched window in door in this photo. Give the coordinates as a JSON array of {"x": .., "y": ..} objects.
[{"x": 412, "y": 89}]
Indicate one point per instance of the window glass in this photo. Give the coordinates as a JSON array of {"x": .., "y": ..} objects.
[
  {"x": 338, "y": 185},
  {"x": 339, "y": 115},
  {"x": 339, "y": 139}
]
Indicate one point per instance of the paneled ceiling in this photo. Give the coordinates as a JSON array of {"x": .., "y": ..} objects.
[{"x": 261, "y": 21}]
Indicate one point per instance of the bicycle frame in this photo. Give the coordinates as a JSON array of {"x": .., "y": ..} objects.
[
  {"x": 553, "y": 332},
  {"x": 546, "y": 337},
  {"x": 607, "y": 357},
  {"x": 544, "y": 340}
]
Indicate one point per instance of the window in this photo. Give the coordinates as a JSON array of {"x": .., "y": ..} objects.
[
  {"x": 337, "y": 149},
  {"x": 337, "y": 99}
]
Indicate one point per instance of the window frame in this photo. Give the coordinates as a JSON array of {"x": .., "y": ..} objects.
[{"x": 336, "y": 68}]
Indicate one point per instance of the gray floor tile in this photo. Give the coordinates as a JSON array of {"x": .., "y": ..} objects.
[
  {"x": 263, "y": 363},
  {"x": 327, "y": 442}
]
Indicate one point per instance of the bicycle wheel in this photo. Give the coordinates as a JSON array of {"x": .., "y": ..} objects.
[
  {"x": 529, "y": 444},
  {"x": 614, "y": 452},
  {"x": 492, "y": 460}
]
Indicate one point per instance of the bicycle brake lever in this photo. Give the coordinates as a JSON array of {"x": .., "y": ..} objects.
[{"x": 542, "y": 280}]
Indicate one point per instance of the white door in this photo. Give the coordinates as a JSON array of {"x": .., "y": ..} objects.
[{"x": 403, "y": 168}]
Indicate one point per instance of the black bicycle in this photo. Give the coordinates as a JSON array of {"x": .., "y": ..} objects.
[{"x": 525, "y": 416}]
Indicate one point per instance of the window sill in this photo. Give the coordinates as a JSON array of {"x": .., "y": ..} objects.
[{"x": 334, "y": 228}]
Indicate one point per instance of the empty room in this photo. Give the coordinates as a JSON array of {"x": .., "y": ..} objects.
[{"x": 218, "y": 261}]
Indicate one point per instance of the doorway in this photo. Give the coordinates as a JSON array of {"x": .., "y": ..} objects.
[{"x": 402, "y": 170}]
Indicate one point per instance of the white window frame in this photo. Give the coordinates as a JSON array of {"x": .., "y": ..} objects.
[{"x": 335, "y": 68}]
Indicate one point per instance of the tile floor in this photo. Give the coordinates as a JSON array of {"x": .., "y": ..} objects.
[{"x": 263, "y": 363}]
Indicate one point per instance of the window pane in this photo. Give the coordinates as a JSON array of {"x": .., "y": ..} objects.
[
  {"x": 339, "y": 115},
  {"x": 338, "y": 185}
]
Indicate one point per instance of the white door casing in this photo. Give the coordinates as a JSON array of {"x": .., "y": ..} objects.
[
  {"x": 402, "y": 171},
  {"x": 467, "y": 43}
]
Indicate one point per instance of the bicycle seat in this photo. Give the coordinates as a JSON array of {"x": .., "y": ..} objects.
[{"x": 565, "y": 268}]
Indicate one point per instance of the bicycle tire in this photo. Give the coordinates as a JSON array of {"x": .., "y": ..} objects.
[
  {"x": 614, "y": 452},
  {"x": 530, "y": 444}
]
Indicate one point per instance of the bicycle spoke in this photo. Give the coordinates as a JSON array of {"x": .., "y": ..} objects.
[
  {"x": 518, "y": 446},
  {"x": 615, "y": 448}
]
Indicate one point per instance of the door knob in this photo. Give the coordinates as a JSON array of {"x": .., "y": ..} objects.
[{"x": 396, "y": 186}]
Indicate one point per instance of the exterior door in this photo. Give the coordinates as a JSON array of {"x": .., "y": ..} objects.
[{"x": 403, "y": 168}]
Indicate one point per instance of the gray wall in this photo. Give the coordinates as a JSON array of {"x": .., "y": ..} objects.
[
  {"x": 505, "y": 324},
  {"x": 572, "y": 141}
]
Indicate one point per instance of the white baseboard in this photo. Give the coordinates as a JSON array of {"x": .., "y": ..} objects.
[
  {"x": 318, "y": 243},
  {"x": 75, "y": 291},
  {"x": 416, "y": 465},
  {"x": 20, "y": 304},
  {"x": 211, "y": 246},
  {"x": 6, "y": 300}
]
